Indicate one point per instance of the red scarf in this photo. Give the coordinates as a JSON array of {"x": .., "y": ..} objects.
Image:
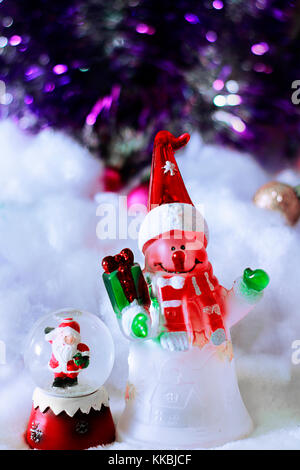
[{"x": 207, "y": 316}]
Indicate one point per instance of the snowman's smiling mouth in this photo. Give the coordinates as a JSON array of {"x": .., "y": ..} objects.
[{"x": 179, "y": 272}]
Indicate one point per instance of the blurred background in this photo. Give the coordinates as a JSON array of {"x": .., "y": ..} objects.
[
  {"x": 84, "y": 87},
  {"x": 112, "y": 74}
]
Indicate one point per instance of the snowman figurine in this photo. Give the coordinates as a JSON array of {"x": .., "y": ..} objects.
[{"x": 182, "y": 388}]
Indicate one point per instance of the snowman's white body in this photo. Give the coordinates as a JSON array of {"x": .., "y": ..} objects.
[{"x": 185, "y": 399}]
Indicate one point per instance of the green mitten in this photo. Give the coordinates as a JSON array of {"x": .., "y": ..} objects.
[
  {"x": 256, "y": 280},
  {"x": 139, "y": 326},
  {"x": 48, "y": 329},
  {"x": 81, "y": 361},
  {"x": 86, "y": 361}
]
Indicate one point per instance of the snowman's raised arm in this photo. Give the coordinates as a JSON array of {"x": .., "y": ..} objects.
[{"x": 246, "y": 292}]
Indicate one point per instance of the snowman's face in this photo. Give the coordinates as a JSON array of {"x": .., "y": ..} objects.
[{"x": 176, "y": 252}]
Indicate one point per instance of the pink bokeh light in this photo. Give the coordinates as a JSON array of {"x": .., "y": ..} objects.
[{"x": 60, "y": 69}]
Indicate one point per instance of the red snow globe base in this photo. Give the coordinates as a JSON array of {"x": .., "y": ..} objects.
[{"x": 57, "y": 423}]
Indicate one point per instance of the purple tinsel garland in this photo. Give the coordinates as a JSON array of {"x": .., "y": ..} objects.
[{"x": 113, "y": 73}]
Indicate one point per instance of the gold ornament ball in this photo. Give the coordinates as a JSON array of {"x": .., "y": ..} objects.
[{"x": 280, "y": 197}]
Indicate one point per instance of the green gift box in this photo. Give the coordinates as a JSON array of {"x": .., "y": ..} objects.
[{"x": 117, "y": 294}]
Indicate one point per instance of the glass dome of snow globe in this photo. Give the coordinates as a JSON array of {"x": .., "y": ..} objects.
[{"x": 69, "y": 353}]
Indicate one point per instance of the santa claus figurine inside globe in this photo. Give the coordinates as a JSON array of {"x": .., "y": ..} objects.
[
  {"x": 70, "y": 405},
  {"x": 69, "y": 355},
  {"x": 182, "y": 388}
]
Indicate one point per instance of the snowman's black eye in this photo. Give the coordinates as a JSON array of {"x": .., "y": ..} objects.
[
  {"x": 182, "y": 247},
  {"x": 173, "y": 248}
]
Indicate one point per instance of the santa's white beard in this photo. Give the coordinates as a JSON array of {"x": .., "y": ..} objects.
[{"x": 63, "y": 352}]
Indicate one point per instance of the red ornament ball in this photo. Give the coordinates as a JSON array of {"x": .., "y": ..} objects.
[
  {"x": 138, "y": 195},
  {"x": 111, "y": 180}
]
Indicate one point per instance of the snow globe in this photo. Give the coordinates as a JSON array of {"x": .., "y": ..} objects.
[{"x": 69, "y": 355}]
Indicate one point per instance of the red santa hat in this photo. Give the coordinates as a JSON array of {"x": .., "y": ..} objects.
[
  {"x": 67, "y": 327},
  {"x": 70, "y": 326},
  {"x": 169, "y": 204}
]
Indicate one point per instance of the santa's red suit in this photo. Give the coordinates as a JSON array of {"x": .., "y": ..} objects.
[{"x": 62, "y": 360}]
